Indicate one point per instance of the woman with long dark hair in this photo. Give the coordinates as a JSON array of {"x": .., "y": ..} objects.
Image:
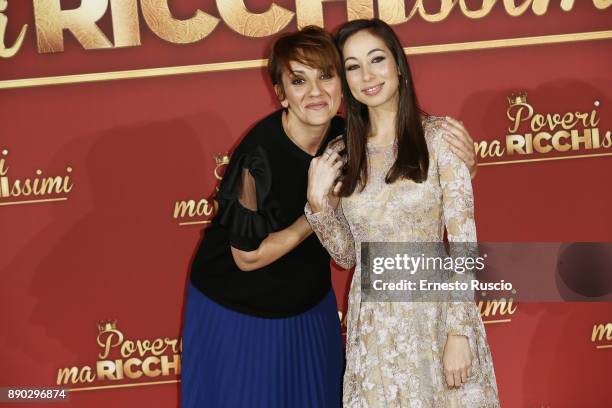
[{"x": 401, "y": 183}]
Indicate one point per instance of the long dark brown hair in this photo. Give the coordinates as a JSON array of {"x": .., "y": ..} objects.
[{"x": 412, "y": 161}]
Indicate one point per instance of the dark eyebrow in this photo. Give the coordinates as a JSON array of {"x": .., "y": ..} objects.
[
  {"x": 370, "y": 52},
  {"x": 374, "y": 50}
]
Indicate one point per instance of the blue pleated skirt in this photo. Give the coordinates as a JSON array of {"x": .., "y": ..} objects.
[{"x": 235, "y": 360}]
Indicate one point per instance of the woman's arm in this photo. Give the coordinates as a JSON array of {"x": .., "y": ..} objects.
[
  {"x": 333, "y": 231},
  {"x": 274, "y": 246},
  {"x": 324, "y": 209},
  {"x": 458, "y": 212},
  {"x": 461, "y": 143}
]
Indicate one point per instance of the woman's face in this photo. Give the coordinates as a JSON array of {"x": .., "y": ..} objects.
[
  {"x": 312, "y": 95},
  {"x": 371, "y": 70}
]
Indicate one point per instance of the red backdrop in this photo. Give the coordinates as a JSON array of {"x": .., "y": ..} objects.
[{"x": 112, "y": 248}]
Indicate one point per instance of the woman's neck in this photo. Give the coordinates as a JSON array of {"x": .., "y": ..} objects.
[
  {"x": 306, "y": 137},
  {"x": 382, "y": 125}
]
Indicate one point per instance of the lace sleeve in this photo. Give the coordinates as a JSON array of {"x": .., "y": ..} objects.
[
  {"x": 331, "y": 226},
  {"x": 333, "y": 231},
  {"x": 245, "y": 206},
  {"x": 458, "y": 212}
]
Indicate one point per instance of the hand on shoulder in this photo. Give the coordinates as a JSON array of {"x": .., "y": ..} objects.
[{"x": 458, "y": 139}]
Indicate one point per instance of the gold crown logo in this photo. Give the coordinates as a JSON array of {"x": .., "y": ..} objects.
[
  {"x": 221, "y": 159},
  {"x": 107, "y": 325},
  {"x": 517, "y": 99}
]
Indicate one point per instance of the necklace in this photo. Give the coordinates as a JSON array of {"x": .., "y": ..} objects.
[{"x": 285, "y": 123}]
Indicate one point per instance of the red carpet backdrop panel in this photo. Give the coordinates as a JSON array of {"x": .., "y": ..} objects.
[{"x": 118, "y": 118}]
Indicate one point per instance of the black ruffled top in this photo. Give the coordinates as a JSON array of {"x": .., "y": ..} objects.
[{"x": 277, "y": 171}]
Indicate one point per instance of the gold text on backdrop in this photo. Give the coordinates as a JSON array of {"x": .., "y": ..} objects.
[
  {"x": 570, "y": 132},
  {"x": 133, "y": 360},
  {"x": 602, "y": 333},
  {"x": 38, "y": 188},
  {"x": 497, "y": 310},
  {"x": 51, "y": 20},
  {"x": 9, "y": 51},
  {"x": 203, "y": 210}
]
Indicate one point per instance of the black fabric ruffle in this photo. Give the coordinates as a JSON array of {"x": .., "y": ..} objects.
[{"x": 247, "y": 228}]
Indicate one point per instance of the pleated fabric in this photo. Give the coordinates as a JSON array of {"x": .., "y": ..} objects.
[{"x": 235, "y": 360}]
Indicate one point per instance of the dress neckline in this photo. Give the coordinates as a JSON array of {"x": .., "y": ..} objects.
[{"x": 380, "y": 148}]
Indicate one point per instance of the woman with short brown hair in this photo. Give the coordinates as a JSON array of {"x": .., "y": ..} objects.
[{"x": 261, "y": 325}]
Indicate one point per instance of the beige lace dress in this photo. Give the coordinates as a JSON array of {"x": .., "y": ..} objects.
[{"x": 394, "y": 349}]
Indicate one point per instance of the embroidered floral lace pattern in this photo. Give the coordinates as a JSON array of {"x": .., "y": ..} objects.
[{"x": 394, "y": 350}]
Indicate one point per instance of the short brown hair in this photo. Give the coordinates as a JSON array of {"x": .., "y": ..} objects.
[{"x": 311, "y": 46}]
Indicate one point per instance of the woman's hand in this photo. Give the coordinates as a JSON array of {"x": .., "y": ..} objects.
[
  {"x": 461, "y": 143},
  {"x": 322, "y": 174},
  {"x": 457, "y": 360}
]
